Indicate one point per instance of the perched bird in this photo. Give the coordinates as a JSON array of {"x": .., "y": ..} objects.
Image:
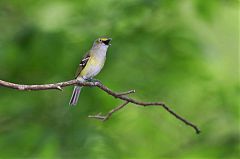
[{"x": 91, "y": 65}]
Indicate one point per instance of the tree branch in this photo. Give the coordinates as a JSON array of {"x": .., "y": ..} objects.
[
  {"x": 122, "y": 96},
  {"x": 109, "y": 114},
  {"x": 127, "y": 92}
]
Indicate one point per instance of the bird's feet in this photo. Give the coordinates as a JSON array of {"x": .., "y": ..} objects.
[{"x": 93, "y": 81}]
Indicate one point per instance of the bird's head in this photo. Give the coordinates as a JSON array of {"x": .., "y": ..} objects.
[{"x": 103, "y": 41}]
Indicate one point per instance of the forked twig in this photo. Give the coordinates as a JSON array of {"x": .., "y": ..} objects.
[{"x": 109, "y": 114}]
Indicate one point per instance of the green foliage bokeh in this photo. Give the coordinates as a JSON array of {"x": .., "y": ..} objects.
[{"x": 184, "y": 53}]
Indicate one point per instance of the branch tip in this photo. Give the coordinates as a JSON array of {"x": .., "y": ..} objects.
[
  {"x": 126, "y": 93},
  {"x": 59, "y": 88}
]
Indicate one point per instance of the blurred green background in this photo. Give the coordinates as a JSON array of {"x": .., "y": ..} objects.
[{"x": 184, "y": 53}]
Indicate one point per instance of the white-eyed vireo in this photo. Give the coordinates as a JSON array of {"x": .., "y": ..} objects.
[{"x": 91, "y": 65}]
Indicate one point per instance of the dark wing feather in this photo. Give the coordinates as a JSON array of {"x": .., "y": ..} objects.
[{"x": 82, "y": 64}]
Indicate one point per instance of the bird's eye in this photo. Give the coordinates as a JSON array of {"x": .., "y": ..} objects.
[{"x": 100, "y": 40}]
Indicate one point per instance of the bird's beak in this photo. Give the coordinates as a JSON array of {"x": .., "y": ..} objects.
[{"x": 107, "y": 41}]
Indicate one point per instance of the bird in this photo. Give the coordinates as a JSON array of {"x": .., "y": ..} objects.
[{"x": 91, "y": 64}]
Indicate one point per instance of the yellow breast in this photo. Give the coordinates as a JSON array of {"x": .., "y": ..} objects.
[{"x": 93, "y": 67}]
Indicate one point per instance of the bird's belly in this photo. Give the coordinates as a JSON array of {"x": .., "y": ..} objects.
[
  {"x": 92, "y": 68},
  {"x": 92, "y": 71}
]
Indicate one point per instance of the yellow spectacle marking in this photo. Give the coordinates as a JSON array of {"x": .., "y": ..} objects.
[{"x": 104, "y": 39}]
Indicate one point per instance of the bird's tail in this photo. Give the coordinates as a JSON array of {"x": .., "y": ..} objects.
[{"x": 75, "y": 95}]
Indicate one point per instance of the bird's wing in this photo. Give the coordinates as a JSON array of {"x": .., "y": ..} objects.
[{"x": 82, "y": 64}]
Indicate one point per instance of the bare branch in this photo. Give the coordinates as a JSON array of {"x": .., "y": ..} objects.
[
  {"x": 98, "y": 84},
  {"x": 59, "y": 88},
  {"x": 127, "y": 92},
  {"x": 109, "y": 114}
]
